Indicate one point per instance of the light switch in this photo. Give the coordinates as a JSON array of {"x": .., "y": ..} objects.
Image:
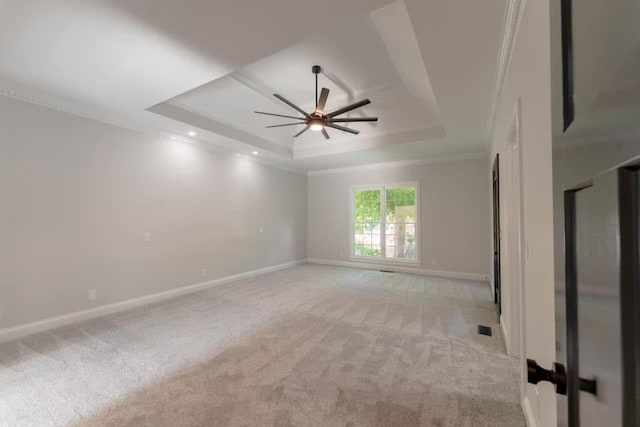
[{"x": 147, "y": 236}]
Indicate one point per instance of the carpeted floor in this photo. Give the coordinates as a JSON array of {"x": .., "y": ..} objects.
[{"x": 308, "y": 346}]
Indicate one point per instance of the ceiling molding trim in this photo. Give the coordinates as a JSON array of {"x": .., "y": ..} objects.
[
  {"x": 230, "y": 152},
  {"x": 511, "y": 27},
  {"x": 401, "y": 163},
  {"x": 225, "y": 151},
  {"x": 43, "y": 102},
  {"x": 270, "y": 164},
  {"x": 363, "y": 143},
  {"x": 395, "y": 28},
  {"x": 185, "y": 114},
  {"x": 156, "y": 133},
  {"x": 256, "y": 85}
]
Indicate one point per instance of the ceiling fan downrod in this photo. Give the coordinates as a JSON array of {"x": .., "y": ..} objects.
[{"x": 316, "y": 69}]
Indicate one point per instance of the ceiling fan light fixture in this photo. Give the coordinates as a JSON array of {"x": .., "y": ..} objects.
[
  {"x": 316, "y": 124},
  {"x": 317, "y": 120}
]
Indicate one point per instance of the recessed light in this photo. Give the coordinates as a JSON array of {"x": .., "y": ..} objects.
[
  {"x": 237, "y": 155},
  {"x": 255, "y": 153},
  {"x": 173, "y": 137},
  {"x": 192, "y": 133}
]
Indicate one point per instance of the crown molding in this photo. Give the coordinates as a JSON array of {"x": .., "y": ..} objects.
[
  {"x": 52, "y": 105},
  {"x": 180, "y": 112},
  {"x": 363, "y": 143},
  {"x": 395, "y": 28},
  {"x": 400, "y": 163},
  {"x": 153, "y": 132},
  {"x": 256, "y": 85},
  {"x": 511, "y": 27}
]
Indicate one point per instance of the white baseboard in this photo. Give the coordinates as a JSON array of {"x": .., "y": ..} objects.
[
  {"x": 528, "y": 413},
  {"x": 505, "y": 335},
  {"x": 399, "y": 268},
  {"x": 15, "y": 332}
]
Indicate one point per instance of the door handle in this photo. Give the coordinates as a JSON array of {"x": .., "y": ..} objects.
[{"x": 558, "y": 377}]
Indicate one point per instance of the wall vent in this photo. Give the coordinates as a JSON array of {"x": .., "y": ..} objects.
[{"x": 484, "y": 330}]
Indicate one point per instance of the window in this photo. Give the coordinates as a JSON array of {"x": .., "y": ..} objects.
[{"x": 385, "y": 222}]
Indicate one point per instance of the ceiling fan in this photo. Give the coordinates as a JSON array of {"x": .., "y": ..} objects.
[{"x": 317, "y": 120}]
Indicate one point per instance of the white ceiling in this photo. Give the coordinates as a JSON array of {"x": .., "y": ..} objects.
[{"x": 429, "y": 68}]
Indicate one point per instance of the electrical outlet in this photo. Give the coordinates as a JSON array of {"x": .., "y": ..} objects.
[
  {"x": 93, "y": 294},
  {"x": 434, "y": 261},
  {"x": 261, "y": 229},
  {"x": 203, "y": 272},
  {"x": 147, "y": 236}
]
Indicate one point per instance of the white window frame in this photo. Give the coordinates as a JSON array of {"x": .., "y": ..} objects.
[{"x": 383, "y": 194}]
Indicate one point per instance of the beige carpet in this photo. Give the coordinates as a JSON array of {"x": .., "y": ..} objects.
[{"x": 309, "y": 346}]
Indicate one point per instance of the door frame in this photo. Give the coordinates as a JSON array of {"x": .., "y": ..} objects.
[
  {"x": 629, "y": 207},
  {"x": 516, "y": 247},
  {"x": 571, "y": 305},
  {"x": 497, "y": 285}
]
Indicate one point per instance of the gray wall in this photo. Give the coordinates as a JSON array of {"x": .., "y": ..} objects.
[
  {"x": 454, "y": 213},
  {"x": 77, "y": 197}
]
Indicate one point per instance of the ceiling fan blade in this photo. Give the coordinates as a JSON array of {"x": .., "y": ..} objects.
[
  {"x": 325, "y": 133},
  {"x": 301, "y": 132},
  {"x": 342, "y": 128},
  {"x": 279, "y": 115},
  {"x": 286, "y": 124},
  {"x": 355, "y": 119},
  {"x": 322, "y": 101},
  {"x": 292, "y": 105},
  {"x": 349, "y": 108}
]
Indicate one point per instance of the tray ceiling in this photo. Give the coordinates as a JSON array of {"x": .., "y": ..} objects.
[{"x": 161, "y": 67}]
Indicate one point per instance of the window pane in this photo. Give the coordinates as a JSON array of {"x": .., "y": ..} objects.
[
  {"x": 367, "y": 205},
  {"x": 400, "y": 229},
  {"x": 366, "y": 250},
  {"x": 402, "y": 240},
  {"x": 389, "y": 251},
  {"x": 401, "y": 205},
  {"x": 367, "y": 223},
  {"x": 391, "y": 210}
]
